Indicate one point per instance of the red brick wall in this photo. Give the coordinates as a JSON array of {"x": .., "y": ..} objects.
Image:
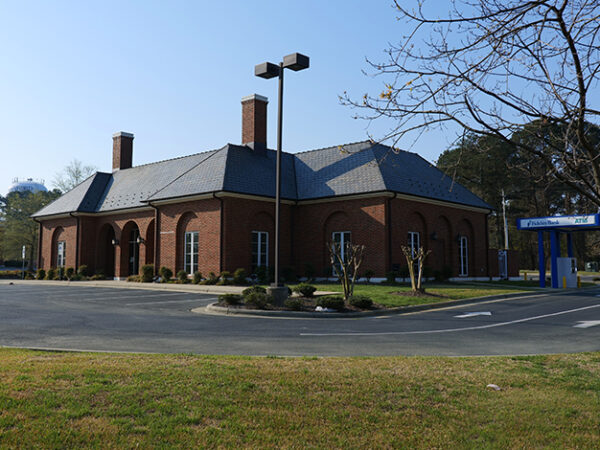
[
  {"x": 381, "y": 224},
  {"x": 445, "y": 224},
  {"x": 58, "y": 230},
  {"x": 314, "y": 225},
  {"x": 240, "y": 218},
  {"x": 203, "y": 216}
]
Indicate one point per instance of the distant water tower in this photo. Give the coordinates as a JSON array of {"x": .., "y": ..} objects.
[{"x": 28, "y": 185}]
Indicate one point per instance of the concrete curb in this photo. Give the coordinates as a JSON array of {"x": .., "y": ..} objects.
[{"x": 227, "y": 311}]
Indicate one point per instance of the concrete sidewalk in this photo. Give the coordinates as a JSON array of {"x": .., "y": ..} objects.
[{"x": 199, "y": 288}]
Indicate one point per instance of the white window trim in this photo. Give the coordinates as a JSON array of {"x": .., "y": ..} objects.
[
  {"x": 61, "y": 253},
  {"x": 193, "y": 255},
  {"x": 414, "y": 249},
  {"x": 463, "y": 251},
  {"x": 342, "y": 242},
  {"x": 261, "y": 235}
]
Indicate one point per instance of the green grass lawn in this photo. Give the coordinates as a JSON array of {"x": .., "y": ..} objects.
[
  {"x": 384, "y": 294},
  {"x": 78, "y": 400}
]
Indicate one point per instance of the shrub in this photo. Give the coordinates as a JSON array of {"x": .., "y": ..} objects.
[
  {"x": 446, "y": 272},
  {"x": 262, "y": 274},
  {"x": 309, "y": 271},
  {"x": 40, "y": 275},
  {"x": 403, "y": 272},
  {"x": 391, "y": 277},
  {"x": 147, "y": 273},
  {"x": 197, "y": 277},
  {"x": 98, "y": 276},
  {"x": 230, "y": 299},
  {"x": 332, "y": 302},
  {"x": 212, "y": 279},
  {"x": 69, "y": 273},
  {"x": 295, "y": 304},
  {"x": 427, "y": 272},
  {"x": 369, "y": 274},
  {"x": 361, "y": 301},
  {"x": 239, "y": 277},
  {"x": 305, "y": 290},
  {"x": 289, "y": 274},
  {"x": 83, "y": 271},
  {"x": 182, "y": 276},
  {"x": 165, "y": 274},
  {"x": 29, "y": 275},
  {"x": 51, "y": 274},
  {"x": 254, "y": 289},
  {"x": 134, "y": 278},
  {"x": 224, "y": 278},
  {"x": 259, "y": 300},
  {"x": 60, "y": 273},
  {"x": 11, "y": 274}
]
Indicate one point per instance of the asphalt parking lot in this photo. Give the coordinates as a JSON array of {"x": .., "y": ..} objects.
[{"x": 73, "y": 317}]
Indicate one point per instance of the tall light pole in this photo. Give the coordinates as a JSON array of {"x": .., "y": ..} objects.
[{"x": 295, "y": 62}]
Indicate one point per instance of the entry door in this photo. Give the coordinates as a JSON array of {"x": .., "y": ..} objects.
[{"x": 134, "y": 252}]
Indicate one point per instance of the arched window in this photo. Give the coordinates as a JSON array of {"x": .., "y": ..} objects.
[
  {"x": 61, "y": 253},
  {"x": 191, "y": 252}
]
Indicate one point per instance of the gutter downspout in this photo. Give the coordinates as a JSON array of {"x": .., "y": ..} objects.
[
  {"x": 221, "y": 232},
  {"x": 389, "y": 229},
  {"x": 156, "y": 237},
  {"x": 39, "y": 249},
  {"x": 76, "y": 241},
  {"x": 487, "y": 246}
]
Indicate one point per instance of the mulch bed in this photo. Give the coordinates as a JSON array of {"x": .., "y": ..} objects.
[
  {"x": 308, "y": 305},
  {"x": 418, "y": 294}
]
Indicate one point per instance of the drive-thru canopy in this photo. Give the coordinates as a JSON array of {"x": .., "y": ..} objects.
[{"x": 557, "y": 226}]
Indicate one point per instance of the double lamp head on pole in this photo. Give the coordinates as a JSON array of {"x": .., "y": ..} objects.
[{"x": 295, "y": 62}]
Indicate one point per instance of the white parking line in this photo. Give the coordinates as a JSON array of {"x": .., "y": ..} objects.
[{"x": 450, "y": 330}]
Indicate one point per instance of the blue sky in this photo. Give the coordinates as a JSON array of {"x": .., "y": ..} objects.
[{"x": 173, "y": 73}]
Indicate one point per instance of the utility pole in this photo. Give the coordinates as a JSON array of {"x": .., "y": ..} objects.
[{"x": 505, "y": 223}]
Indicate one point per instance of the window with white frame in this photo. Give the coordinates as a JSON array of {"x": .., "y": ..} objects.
[
  {"x": 463, "y": 251},
  {"x": 260, "y": 249},
  {"x": 191, "y": 252},
  {"x": 414, "y": 242},
  {"x": 342, "y": 238},
  {"x": 61, "y": 254}
]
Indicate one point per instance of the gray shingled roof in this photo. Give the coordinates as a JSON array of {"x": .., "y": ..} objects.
[{"x": 357, "y": 168}]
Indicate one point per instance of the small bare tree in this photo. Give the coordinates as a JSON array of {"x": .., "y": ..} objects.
[
  {"x": 346, "y": 261},
  {"x": 415, "y": 258}
]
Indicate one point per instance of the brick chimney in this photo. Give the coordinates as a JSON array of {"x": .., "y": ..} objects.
[
  {"x": 254, "y": 122},
  {"x": 122, "y": 150}
]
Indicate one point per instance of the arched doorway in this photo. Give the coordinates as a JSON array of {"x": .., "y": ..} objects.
[
  {"x": 130, "y": 250},
  {"x": 106, "y": 251}
]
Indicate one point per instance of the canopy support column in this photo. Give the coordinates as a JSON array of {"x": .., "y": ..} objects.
[
  {"x": 554, "y": 255},
  {"x": 541, "y": 259},
  {"x": 569, "y": 245}
]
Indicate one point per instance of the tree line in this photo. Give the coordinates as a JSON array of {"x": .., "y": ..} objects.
[
  {"x": 489, "y": 166},
  {"x": 17, "y": 228}
]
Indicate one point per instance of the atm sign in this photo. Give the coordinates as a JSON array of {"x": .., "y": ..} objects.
[{"x": 557, "y": 221}]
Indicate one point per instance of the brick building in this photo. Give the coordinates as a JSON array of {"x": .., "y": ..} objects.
[{"x": 214, "y": 211}]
